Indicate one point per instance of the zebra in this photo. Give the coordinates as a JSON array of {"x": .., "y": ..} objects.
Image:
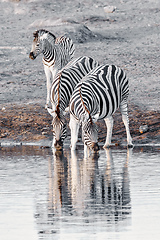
[
  {"x": 98, "y": 96},
  {"x": 57, "y": 52},
  {"x": 61, "y": 91}
]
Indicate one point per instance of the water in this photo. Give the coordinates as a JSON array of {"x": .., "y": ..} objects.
[{"x": 46, "y": 195}]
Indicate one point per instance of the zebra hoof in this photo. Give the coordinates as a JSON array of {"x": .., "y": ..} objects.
[
  {"x": 130, "y": 145},
  {"x": 46, "y": 106},
  {"x": 106, "y": 146}
]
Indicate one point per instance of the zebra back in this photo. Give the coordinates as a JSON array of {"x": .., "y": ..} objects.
[
  {"x": 66, "y": 80},
  {"x": 67, "y": 44},
  {"x": 65, "y": 50}
]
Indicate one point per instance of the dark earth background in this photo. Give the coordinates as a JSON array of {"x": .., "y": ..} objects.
[{"x": 128, "y": 37}]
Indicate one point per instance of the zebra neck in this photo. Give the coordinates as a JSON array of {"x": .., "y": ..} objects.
[
  {"x": 49, "y": 56},
  {"x": 61, "y": 103},
  {"x": 89, "y": 102},
  {"x": 84, "y": 109}
]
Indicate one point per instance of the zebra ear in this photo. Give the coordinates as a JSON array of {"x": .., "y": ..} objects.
[
  {"x": 35, "y": 34},
  {"x": 44, "y": 36},
  {"x": 51, "y": 112}
]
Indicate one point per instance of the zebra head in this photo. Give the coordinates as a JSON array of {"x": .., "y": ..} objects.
[
  {"x": 59, "y": 124},
  {"x": 41, "y": 38},
  {"x": 90, "y": 134}
]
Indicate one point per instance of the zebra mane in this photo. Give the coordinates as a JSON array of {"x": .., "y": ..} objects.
[
  {"x": 90, "y": 119},
  {"x": 50, "y": 36},
  {"x": 58, "y": 88},
  {"x": 58, "y": 111}
]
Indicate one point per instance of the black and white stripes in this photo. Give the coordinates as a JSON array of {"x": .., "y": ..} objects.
[
  {"x": 57, "y": 52},
  {"x": 98, "y": 96},
  {"x": 91, "y": 91},
  {"x": 61, "y": 91}
]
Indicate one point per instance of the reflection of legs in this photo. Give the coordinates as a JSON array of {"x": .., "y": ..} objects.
[
  {"x": 74, "y": 126},
  {"x": 86, "y": 151},
  {"x": 124, "y": 112},
  {"x": 109, "y": 124}
]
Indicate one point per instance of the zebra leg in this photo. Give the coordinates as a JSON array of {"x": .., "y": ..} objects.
[
  {"x": 48, "y": 76},
  {"x": 124, "y": 112},
  {"x": 74, "y": 126},
  {"x": 53, "y": 142},
  {"x": 109, "y": 124}
]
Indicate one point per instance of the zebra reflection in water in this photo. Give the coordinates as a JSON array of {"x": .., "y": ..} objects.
[
  {"x": 116, "y": 190},
  {"x": 85, "y": 188},
  {"x": 58, "y": 182}
]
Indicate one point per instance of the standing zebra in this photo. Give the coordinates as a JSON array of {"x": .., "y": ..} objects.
[
  {"x": 98, "y": 96},
  {"x": 61, "y": 91},
  {"x": 57, "y": 52}
]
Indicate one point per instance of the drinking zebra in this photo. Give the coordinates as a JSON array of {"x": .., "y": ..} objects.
[
  {"x": 61, "y": 91},
  {"x": 98, "y": 96},
  {"x": 57, "y": 52}
]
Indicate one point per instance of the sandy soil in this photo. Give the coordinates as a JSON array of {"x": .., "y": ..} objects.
[{"x": 128, "y": 37}]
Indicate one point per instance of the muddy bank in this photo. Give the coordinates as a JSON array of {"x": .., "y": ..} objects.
[{"x": 33, "y": 123}]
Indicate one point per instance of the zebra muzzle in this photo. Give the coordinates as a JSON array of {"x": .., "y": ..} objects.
[
  {"x": 58, "y": 144},
  {"x": 95, "y": 147},
  {"x": 31, "y": 56}
]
